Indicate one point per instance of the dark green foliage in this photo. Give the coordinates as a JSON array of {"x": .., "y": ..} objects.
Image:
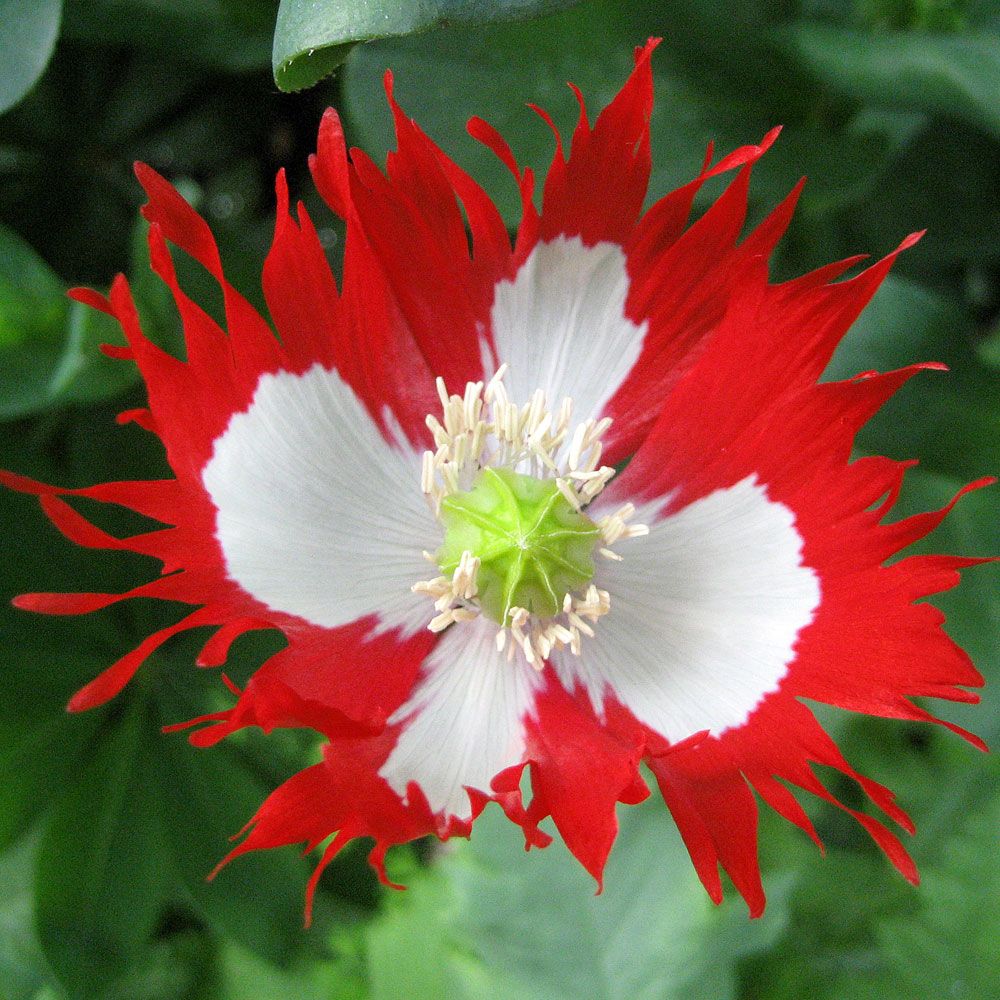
[
  {"x": 108, "y": 828},
  {"x": 28, "y": 31},
  {"x": 313, "y": 37}
]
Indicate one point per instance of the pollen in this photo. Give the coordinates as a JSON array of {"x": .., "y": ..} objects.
[{"x": 510, "y": 485}]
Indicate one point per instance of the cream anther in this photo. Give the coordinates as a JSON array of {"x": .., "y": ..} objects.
[{"x": 483, "y": 428}]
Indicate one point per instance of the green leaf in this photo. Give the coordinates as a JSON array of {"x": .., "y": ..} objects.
[
  {"x": 830, "y": 938},
  {"x": 101, "y": 870},
  {"x": 938, "y": 941},
  {"x": 40, "y": 744},
  {"x": 949, "y": 75},
  {"x": 44, "y": 661},
  {"x": 988, "y": 349},
  {"x": 208, "y": 796},
  {"x": 23, "y": 972},
  {"x": 31, "y": 296},
  {"x": 179, "y": 963},
  {"x": 949, "y": 420},
  {"x": 37, "y": 759},
  {"x": 444, "y": 77},
  {"x": 490, "y": 921},
  {"x": 958, "y": 922},
  {"x": 28, "y": 32},
  {"x": 83, "y": 374},
  {"x": 49, "y": 346},
  {"x": 958, "y": 163},
  {"x": 199, "y": 31},
  {"x": 242, "y": 975},
  {"x": 312, "y": 37}
]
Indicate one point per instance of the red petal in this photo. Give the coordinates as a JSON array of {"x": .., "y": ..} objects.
[
  {"x": 107, "y": 684},
  {"x": 578, "y": 774},
  {"x": 343, "y": 795},
  {"x": 597, "y": 193},
  {"x": 314, "y": 683},
  {"x": 717, "y": 816},
  {"x": 253, "y": 347},
  {"x": 412, "y": 221},
  {"x": 680, "y": 286}
]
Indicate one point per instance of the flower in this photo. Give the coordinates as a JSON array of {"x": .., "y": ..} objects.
[{"x": 422, "y": 482}]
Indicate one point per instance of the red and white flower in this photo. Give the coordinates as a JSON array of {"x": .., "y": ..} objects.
[{"x": 468, "y": 401}]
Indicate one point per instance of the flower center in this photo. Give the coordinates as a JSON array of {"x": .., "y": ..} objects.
[
  {"x": 509, "y": 485},
  {"x": 532, "y": 546}
]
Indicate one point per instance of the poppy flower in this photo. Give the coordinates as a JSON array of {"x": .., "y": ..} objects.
[{"x": 533, "y": 513}]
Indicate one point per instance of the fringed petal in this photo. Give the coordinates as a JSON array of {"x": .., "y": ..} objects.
[{"x": 769, "y": 575}]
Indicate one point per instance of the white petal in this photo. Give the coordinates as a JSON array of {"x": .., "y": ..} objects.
[
  {"x": 705, "y": 612},
  {"x": 317, "y": 515},
  {"x": 465, "y": 719},
  {"x": 561, "y": 325}
]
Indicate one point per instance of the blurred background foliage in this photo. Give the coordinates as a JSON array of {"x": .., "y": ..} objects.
[{"x": 107, "y": 829}]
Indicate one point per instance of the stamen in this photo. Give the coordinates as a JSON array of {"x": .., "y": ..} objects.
[
  {"x": 483, "y": 428},
  {"x": 568, "y": 492}
]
